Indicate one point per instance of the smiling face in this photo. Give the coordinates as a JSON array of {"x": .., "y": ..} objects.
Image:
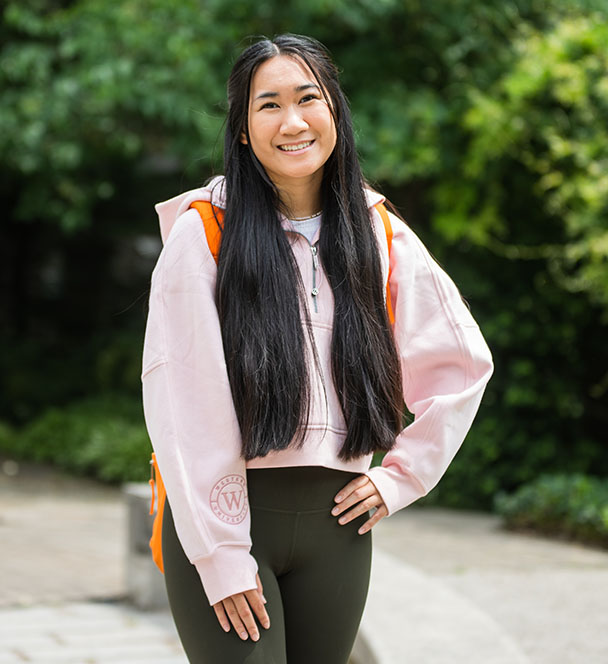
[{"x": 291, "y": 128}]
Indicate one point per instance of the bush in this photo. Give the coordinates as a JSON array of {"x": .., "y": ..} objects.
[
  {"x": 570, "y": 506},
  {"x": 103, "y": 437},
  {"x": 545, "y": 410}
]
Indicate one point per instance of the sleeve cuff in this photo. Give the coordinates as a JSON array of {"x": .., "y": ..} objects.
[
  {"x": 396, "y": 490},
  {"x": 227, "y": 571}
]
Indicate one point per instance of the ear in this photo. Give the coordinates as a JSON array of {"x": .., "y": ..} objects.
[{"x": 243, "y": 138}]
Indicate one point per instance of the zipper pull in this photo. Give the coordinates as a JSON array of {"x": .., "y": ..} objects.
[{"x": 315, "y": 260}]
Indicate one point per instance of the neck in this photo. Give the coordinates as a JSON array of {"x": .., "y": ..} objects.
[{"x": 301, "y": 197}]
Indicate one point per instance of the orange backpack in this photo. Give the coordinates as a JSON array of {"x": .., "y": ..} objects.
[{"x": 212, "y": 219}]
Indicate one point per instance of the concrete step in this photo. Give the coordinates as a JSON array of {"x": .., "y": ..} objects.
[{"x": 412, "y": 617}]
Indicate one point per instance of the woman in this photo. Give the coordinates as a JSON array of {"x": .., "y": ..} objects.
[{"x": 270, "y": 378}]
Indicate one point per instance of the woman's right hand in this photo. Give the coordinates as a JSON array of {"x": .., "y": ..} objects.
[{"x": 238, "y": 609}]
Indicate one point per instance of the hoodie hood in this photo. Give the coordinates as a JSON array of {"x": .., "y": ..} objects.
[
  {"x": 168, "y": 211},
  {"x": 215, "y": 192}
]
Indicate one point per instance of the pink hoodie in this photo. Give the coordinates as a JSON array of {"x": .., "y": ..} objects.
[{"x": 188, "y": 405}]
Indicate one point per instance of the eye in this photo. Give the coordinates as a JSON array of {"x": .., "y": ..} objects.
[
  {"x": 309, "y": 97},
  {"x": 268, "y": 104}
]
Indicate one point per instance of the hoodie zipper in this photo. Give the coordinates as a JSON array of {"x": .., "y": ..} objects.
[
  {"x": 314, "y": 250},
  {"x": 315, "y": 266}
]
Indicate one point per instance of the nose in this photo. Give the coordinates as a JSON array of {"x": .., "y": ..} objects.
[{"x": 293, "y": 122}]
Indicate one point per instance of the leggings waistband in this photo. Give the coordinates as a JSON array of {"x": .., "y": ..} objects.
[{"x": 295, "y": 488}]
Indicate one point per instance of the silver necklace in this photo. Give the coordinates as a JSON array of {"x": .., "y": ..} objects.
[{"x": 311, "y": 216}]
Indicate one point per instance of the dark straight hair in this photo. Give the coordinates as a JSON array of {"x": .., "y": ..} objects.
[{"x": 269, "y": 352}]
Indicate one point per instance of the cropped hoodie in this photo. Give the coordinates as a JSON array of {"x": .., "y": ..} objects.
[{"x": 190, "y": 414}]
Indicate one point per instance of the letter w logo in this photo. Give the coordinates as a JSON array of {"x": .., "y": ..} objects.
[{"x": 233, "y": 499}]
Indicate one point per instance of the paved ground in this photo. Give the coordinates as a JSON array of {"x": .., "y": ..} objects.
[
  {"x": 464, "y": 586},
  {"x": 87, "y": 633},
  {"x": 62, "y": 538},
  {"x": 549, "y": 598},
  {"x": 62, "y": 576}
]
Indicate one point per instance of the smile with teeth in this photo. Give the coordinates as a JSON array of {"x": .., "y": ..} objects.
[{"x": 295, "y": 146}]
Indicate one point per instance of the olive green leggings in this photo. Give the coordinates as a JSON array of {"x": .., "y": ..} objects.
[{"x": 314, "y": 571}]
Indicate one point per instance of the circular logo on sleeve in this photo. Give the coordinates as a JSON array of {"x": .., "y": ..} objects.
[{"x": 229, "y": 499}]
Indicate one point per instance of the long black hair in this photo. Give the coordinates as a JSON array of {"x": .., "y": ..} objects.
[{"x": 260, "y": 295}]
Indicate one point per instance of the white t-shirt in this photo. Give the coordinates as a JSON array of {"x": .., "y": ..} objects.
[{"x": 307, "y": 227}]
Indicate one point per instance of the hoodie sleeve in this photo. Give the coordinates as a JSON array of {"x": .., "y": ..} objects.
[
  {"x": 445, "y": 365},
  {"x": 190, "y": 415}
]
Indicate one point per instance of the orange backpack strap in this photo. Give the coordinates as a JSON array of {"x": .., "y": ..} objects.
[
  {"x": 213, "y": 220},
  {"x": 389, "y": 240},
  {"x": 156, "y": 543}
]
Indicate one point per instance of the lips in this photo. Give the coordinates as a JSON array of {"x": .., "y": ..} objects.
[{"x": 294, "y": 147}]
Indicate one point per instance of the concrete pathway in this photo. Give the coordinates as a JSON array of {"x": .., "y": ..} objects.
[
  {"x": 62, "y": 576},
  {"x": 87, "y": 633},
  {"x": 447, "y": 587},
  {"x": 426, "y": 621},
  {"x": 548, "y": 599},
  {"x": 62, "y": 538}
]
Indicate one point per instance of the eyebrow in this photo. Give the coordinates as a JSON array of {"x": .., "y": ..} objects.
[{"x": 300, "y": 88}]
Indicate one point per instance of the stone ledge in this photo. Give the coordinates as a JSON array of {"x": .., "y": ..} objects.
[
  {"x": 410, "y": 616},
  {"x": 145, "y": 584}
]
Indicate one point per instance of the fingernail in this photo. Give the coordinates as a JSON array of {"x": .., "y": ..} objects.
[
  {"x": 243, "y": 635},
  {"x": 338, "y": 498},
  {"x": 226, "y": 628},
  {"x": 255, "y": 636},
  {"x": 264, "y": 599},
  {"x": 266, "y": 623},
  {"x": 335, "y": 510},
  {"x": 362, "y": 530}
]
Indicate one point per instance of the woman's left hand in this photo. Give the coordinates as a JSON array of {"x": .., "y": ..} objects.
[{"x": 360, "y": 492}]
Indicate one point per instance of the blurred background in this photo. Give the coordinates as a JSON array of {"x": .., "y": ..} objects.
[{"x": 484, "y": 122}]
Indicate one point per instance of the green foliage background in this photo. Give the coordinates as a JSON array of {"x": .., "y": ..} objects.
[
  {"x": 569, "y": 506},
  {"x": 484, "y": 122}
]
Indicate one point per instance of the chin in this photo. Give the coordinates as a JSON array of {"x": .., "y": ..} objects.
[{"x": 299, "y": 172}]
